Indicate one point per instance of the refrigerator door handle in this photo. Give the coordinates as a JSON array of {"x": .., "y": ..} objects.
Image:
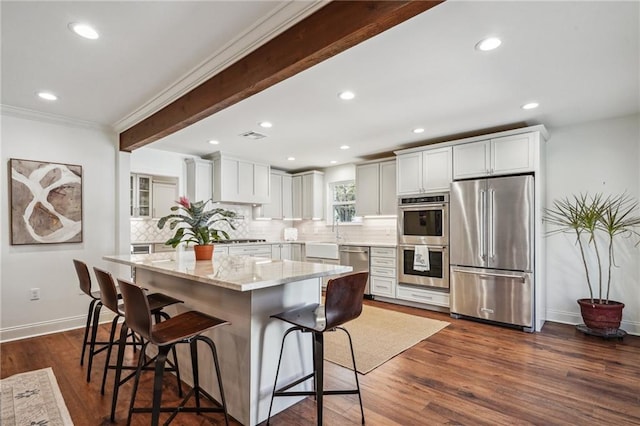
[
  {"x": 490, "y": 275},
  {"x": 483, "y": 222},
  {"x": 491, "y": 233}
]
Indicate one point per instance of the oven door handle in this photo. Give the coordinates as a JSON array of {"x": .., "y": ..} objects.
[{"x": 429, "y": 246}]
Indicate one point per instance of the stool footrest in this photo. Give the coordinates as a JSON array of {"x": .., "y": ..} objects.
[
  {"x": 182, "y": 409},
  {"x": 295, "y": 383}
]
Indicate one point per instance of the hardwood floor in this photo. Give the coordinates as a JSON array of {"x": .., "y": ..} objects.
[{"x": 467, "y": 374}]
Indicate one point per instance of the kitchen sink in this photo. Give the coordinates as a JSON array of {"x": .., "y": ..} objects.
[{"x": 322, "y": 250}]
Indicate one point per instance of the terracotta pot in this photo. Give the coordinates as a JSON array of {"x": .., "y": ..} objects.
[
  {"x": 601, "y": 316},
  {"x": 203, "y": 252}
]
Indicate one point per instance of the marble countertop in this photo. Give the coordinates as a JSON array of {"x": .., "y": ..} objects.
[{"x": 240, "y": 273}]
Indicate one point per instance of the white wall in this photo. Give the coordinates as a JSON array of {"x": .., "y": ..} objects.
[
  {"x": 49, "y": 267},
  {"x": 604, "y": 157}
]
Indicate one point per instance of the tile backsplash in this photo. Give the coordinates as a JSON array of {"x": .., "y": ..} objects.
[{"x": 146, "y": 230}]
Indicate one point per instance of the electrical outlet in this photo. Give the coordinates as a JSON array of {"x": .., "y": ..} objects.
[{"x": 35, "y": 294}]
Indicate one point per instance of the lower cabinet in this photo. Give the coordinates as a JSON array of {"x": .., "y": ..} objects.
[
  {"x": 382, "y": 272},
  {"x": 422, "y": 295},
  {"x": 219, "y": 249},
  {"x": 262, "y": 250}
]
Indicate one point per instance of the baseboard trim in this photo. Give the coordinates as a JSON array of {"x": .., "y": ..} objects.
[
  {"x": 574, "y": 318},
  {"x": 26, "y": 331}
]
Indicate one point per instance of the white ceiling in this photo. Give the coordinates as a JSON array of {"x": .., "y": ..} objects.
[{"x": 579, "y": 60}]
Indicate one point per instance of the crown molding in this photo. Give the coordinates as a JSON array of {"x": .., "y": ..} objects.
[
  {"x": 30, "y": 114},
  {"x": 253, "y": 37}
]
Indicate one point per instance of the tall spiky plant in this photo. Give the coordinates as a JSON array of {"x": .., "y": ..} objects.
[{"x": 586, "y": 215}]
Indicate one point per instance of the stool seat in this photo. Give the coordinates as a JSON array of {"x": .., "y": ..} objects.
[
  {"x": 183, "y": 327},
  {"x": 343, "y": 303},
  {"x": 311, "y": 317}
]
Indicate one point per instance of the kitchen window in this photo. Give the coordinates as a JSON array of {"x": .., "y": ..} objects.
[{"x": 343, "y": 202}]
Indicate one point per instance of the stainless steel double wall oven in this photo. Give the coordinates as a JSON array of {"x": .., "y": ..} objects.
[{"x": 424, "y": 221}]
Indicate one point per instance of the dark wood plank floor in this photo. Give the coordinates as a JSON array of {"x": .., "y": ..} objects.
[{"x": 468, "y": 374}]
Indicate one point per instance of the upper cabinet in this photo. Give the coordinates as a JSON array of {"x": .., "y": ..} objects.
[
  {"x": 240, "y": 181},
  {"x": 308, "y": 195},
  {"x": 281, "y": 205},
  {"x": 376, "y": 188},
  {"x": 424, "y": 171},
  {"x": 199, "y": 179},
  {"x": 140, "y": 195},
  {"x": 498, "y": 156},
  {"x": 152, "y": 196},
  {"x": 165, "y": 195}
]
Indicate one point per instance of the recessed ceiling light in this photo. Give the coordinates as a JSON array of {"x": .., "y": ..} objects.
[
  {"x": 265, "y": 124},
  {"x": 418, "y": 130},
  {"x": 84, "y": 30},
  {"x": 333, "y": 161},
  {"x": 344, "y": 147},
  {"x": 346, "y": 95},
  {"x": 47, "y": 96},
  {"x": 530, "y": 105},
  {"x": 488, "y": 44},
  {"x": 214, "y": 142},
  {"x": 291, "y": 158}
]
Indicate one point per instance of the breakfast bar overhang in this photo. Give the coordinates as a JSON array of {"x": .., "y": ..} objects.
[{"x": 245, "y": 291}]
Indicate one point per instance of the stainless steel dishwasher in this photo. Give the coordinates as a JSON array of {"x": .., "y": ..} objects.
[{"x": 358, "y": 258}]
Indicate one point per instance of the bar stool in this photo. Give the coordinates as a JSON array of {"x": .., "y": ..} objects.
[
  {"x": 93, "y": 315},
  {"x": 110, "y": 299},
  {"x": 343, "y": 303},
  {"x": 184, "y": 328}
]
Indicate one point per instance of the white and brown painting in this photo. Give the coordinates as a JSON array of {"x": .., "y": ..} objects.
[{"x": 46, "y": 202}]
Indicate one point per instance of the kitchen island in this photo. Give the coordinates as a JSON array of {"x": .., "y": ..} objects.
[{"x": 244, "y": 291}]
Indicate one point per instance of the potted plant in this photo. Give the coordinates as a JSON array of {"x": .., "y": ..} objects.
[
  {"x": 591, "y": 218},
  {"x": 197, "y": 226}
]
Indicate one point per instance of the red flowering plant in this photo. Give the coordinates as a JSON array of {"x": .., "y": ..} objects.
[{"x": 197, "y": 223}]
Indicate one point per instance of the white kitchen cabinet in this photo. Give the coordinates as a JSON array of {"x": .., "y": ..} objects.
[
  {"x": 308, "y": 195},
  {"x": 382, "y": 272},
  {"x": 297, "y": 251},
  {"x": 376, "y": 189},
  {"x": 423, "y": 295},
  {"x": 140, "y": 196},
  {"x": 437, "y": 169},
  {"x": 424, "y": 171},
  {"x": 296, "y": 197},
  {"x": 220, "y": 249},
  {"x": 281, "y": 251},
  {"x": 240, "y": 181},
  {"x": 498, "y": 156},
  {"x": 199, "y": 179},
  {"x": 165, "y": 195},
  {"x": 281, "y": 204},
  {"x": 259, "y": 250}
]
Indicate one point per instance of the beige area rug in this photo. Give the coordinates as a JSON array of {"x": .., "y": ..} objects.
[
  {"x": 33, "y": 398},
  {"x": 378, "y": 335}
]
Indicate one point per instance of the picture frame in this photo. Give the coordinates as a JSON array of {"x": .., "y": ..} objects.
[{"x": 46, "y": 202}]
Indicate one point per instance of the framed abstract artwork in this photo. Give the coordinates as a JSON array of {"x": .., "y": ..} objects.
[{"x": 46, "y": 202}]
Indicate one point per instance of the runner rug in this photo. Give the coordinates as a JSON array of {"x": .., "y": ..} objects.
[
  {"x": 33, "y": 398},
  {"x": 378, "y": 335}
]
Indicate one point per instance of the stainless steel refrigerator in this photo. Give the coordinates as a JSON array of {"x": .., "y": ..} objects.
[{"x": 491, "y": 246}]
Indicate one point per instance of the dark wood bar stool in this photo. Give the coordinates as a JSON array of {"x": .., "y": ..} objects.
[
  {"x": 184, "y": 328},
  {"x": 343, "y": 303},
  {"x": 93, "y": 316},
  {"x": 111, "y": 300}
]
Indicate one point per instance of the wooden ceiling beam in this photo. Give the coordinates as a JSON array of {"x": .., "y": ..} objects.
[{"x": 329, "y": 31}]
